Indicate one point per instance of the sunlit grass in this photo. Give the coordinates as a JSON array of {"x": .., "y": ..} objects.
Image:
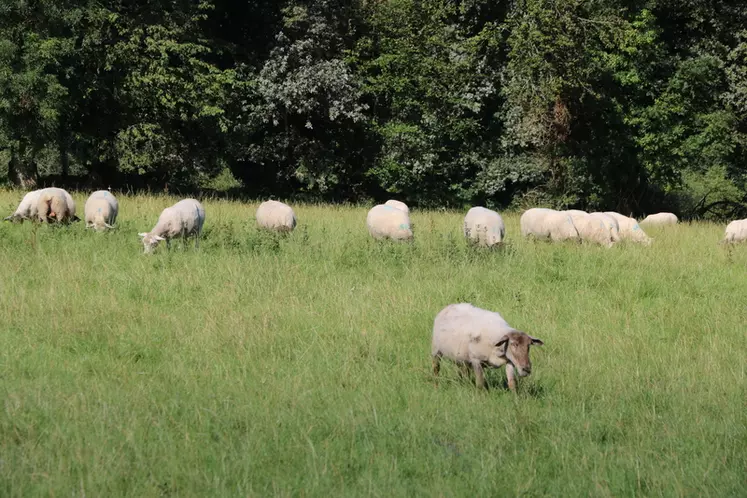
[{"x": 268, "y": 365}]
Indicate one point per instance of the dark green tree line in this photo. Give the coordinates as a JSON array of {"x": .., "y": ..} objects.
[{"x": 627, "y": 105}]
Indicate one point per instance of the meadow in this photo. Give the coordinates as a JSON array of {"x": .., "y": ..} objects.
[{"x": 262, "y": 365}]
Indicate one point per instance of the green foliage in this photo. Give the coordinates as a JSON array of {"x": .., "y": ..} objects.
[
  {"x": 608, "y": 104},
  {"x": 430, "y": 83}
]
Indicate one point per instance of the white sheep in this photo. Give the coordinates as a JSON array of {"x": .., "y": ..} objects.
[
  {"x": 184, "y": 218},
  {"x": 612, "y": 225},
  {"x": 660, "y": 219},
  {"x": 736, "y": 231},
  {"x": 593, "y": 229},
  {"x": 398, "y": 204},
  {"x": 26, "y": 210},
  {"x": 475, "y": 337},
  {"x": 55, "y": 204},
  {"x": 275, "y": 215},
  {"x": 630, "y": 229},
  {"x": 387, "y": 222},
  {"x": 543, "y": 223},
  {"x": 101, "y": 210},
  {"x": 484, "y": 227}
]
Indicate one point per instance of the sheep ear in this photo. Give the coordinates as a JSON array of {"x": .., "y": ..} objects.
[
  {"x": 502, "y": 342},
  {"x": 158, "y": 237},
  {"x": 142, "y": 234},
  {"x": 107, "y": 225},
  {"x": 536, "y": 342}
]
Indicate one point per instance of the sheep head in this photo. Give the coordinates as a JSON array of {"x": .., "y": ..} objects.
[{"x": 515, "y": 348}]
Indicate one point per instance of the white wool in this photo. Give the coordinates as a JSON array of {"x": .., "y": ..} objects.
[
  {"x": 736, "y": 231},
  {"x": 387, "y": 222},
  {"x": 398, "y": 204},
  {"x": 101, "y": 210},
  {"x": 611, "y": 223},
  {"x": 55, "y": 200},
  {"x": 275, "y": 215},
  {"x": 462, "y": 332},
  {"x": 629, "y": 229},
  {"x": 660, "y": 219},
  {"x": 26, "y": 210},
  {"x": 593, "y": 229},
  {"x": 543, "y": 223},
  {"x": 484, "y": 227}
]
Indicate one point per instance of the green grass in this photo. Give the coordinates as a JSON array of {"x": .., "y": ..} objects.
[{"x": 300, "y": 365}]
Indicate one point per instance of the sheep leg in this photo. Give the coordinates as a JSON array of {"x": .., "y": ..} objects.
[
  {"x": 511, "y": 376},
  {"x": 197, "y": 241},
  {"x": 436, "y": 363},
  {"x": 479, "y": 375}
]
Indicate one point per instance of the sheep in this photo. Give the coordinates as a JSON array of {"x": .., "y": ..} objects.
[
  {"x": 274, "y": 215},
  {"x": 484, "y": 227},
  {"x": 736, "y": 231},
  {"x": 101, "y": 210},
  {"x": 629, "y": 229},
  {"x": 611, "y": 223},
  {"x": 543, "y": 223},
  {"x": 55, "y": 204},
  {"x": 27, "y": 209},
  {"x": 398, "y": 204},
  {"x": 593, "y": 229},
  {"x": 387, "y": 222},
  {"x": 472, "y": 336},
  {"x": 184, "y": 218},
  {"x": 660, "y": 219}
]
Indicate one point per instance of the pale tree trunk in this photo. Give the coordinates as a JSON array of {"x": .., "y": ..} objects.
[{"x": 21, "y": 173}]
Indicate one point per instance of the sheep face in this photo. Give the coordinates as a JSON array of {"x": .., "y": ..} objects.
[
  {"x": 99, "y": 224},
  {"x": 515, "y": 348},
  {"x": 150, "y": 242},
  {"x": 14, "y": 218}
]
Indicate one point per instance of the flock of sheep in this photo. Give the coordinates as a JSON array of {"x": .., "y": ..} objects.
[
  {"x": 465, "y": 334},
  {"x": 391, "y": 220}
]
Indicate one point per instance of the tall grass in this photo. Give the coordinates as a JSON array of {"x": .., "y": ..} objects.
[{"x": 265, "y": 365}]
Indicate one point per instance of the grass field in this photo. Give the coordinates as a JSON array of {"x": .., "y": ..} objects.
[{"x": 300, "y": 366}]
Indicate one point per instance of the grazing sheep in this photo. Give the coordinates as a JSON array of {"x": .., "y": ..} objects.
[
  {"x": 26, "y": 210},
  {"x": 274, "y": 215},
  {"x": 629, "y": 229},
  {"x": 472, "y": 336},
  {"x": 101, "y": 210},
  {"x": 387, "y": 222},
  {"x": 611, "y": 223},
  {"x": 592, "y": 228},
  {"x": 398, "y": 204},
  {"x": 543, "y": 223},
  {"x": 184, "y": 218},
  {"x": 660, "y": 219},
  {"x": 575, "y": 212},
  {"x": 55, "y": 204},
  {"x": 484, "y": 227},
  {"x": 736, "y": 231}
]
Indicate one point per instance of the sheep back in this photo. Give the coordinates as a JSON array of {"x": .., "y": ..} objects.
[
  {"x": 484, "y": 227},
  {"x": 275, "y": 215},
  {"x": 387, "y": 222},
  {"x": 398, "y": 204}
]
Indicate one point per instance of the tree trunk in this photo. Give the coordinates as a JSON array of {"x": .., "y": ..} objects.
[{"x": 21, "y": 173}]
